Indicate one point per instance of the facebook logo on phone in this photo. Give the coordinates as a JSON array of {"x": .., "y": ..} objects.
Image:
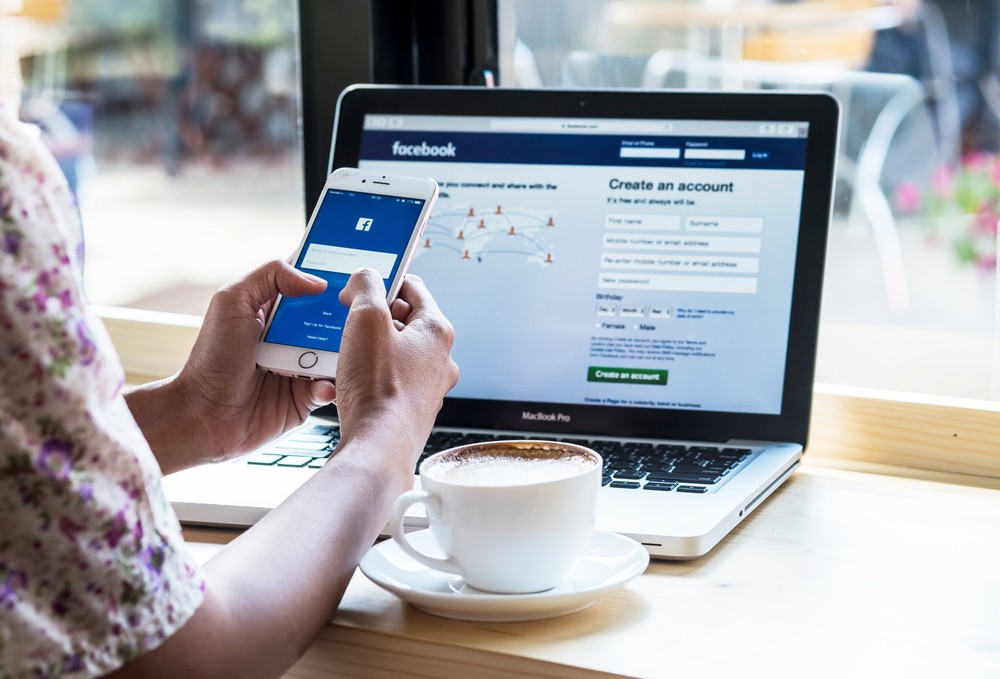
[{"x": 364, "y": 224}]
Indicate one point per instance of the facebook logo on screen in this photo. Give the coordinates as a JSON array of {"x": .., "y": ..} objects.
[{"x": 364, "y": 224}]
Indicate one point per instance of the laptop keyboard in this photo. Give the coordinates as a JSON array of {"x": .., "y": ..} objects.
[
  {"x": 627, "y": 464},
  {"x": 309, "y": 447}
]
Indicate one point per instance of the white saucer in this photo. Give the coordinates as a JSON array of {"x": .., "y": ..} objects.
[{"x": 611, "y": 561}]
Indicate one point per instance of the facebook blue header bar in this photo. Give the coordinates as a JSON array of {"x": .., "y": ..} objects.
[{"x": 757, "y": 153}]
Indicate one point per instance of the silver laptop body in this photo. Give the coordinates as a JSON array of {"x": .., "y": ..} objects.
[{"x": 636, "y": 271}]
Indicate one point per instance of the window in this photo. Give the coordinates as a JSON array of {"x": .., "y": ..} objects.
[
  {"x": 177, "y": 125},
  {"x": 910, "y": 298},
  {"x": 177, "y": 122}
]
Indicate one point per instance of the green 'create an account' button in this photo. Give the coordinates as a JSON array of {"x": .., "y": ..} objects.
[{"x": 626, "y": 375}]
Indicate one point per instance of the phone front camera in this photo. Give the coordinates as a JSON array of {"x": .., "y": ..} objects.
[{"x": 363, "y": 181}]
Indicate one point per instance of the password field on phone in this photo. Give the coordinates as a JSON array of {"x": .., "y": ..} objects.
[{"x": 347, "y": 260}]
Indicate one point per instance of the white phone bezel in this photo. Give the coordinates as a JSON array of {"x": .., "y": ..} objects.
[{"x": 284, "y": 359}]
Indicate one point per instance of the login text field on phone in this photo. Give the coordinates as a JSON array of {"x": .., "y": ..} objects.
[{"x": 337, "y": 259}]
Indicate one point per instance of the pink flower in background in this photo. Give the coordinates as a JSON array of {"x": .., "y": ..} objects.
[
  {"x": 943, "y": 181},
  {"x": 963, "y": 206},
  {"x": 976, "y": 161},
  {"x": 986, "y": 221},
  {"x": 908, "y": 197}
]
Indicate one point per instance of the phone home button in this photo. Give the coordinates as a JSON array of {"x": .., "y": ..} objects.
[{"x": 308, "y": 359}]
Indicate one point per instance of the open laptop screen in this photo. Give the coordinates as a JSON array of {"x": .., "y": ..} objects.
[{"x": 624, "y": 263}]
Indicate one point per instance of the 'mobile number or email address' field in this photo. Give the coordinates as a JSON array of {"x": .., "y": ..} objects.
[
  {"x": 347, "y": 260},
  {"x": 688, "y": 243}
]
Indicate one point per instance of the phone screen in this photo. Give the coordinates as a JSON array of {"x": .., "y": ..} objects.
[{"x": 351, "y": 230}]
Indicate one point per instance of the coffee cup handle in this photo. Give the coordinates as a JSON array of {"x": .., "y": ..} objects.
[{"x": 404, "y": 502}]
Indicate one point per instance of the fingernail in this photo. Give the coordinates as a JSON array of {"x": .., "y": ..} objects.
[{"x": 311, "y": 277}]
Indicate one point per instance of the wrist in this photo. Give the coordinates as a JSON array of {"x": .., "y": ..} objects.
[
  {"x": 385, "y": 440},
  {"x": 166, "y": 417}
]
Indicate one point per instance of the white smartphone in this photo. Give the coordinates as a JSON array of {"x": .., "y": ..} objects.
[{"x": 363, "y": 219}]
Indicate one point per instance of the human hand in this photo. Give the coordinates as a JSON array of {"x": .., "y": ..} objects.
[
  {"x": 229, "y": 405},
  {"x": 395, "y": 366},
  {"x": 394, "y": 370}
]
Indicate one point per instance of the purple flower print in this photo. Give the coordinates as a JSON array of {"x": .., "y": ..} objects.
[
  {"x": 60, "y": 252},
  {"x": 116, "y": 530},
  {"x": 69, "y": 528},
  {"x": 56, "y": 459},
  {"x": 10, "y": 244},
  {"x": 74, "y": 663},
  {"x": 13, "y": 581},
  {"x": 153, "y": 558},
  {"x": 42, "y": 291},
  {"x": 62, "y": 603},
  {"x": 88, "y": 349},
  {"x": 86, "y": 491}
]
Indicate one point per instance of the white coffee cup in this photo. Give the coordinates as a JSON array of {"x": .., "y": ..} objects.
[{"x": 511, "y": 517}]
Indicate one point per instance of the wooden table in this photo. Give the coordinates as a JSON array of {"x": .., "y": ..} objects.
[{"x": 841, "y": 573}]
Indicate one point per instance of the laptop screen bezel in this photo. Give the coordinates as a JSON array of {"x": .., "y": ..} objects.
[{"x": 819, "y": 110}]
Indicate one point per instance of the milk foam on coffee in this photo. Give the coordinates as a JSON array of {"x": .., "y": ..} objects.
[{"x": 509, "y": 466}]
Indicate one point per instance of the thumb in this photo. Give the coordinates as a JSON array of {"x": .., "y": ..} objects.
[
  {"x": 364, "y": 288},
  {"x": 265, "y": 282}
]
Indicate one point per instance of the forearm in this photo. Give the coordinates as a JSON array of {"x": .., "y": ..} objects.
[
  {"x": 283, "y": 580},
  {"x": 271, "y": 590}
]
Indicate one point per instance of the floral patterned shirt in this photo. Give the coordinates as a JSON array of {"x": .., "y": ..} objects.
[{"x": 93, "y": 569}]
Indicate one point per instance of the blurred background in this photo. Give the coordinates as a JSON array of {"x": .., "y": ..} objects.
[{"x": 179, "y": 126}]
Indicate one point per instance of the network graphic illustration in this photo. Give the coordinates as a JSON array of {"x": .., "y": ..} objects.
[{"x": 475, "y": 233}]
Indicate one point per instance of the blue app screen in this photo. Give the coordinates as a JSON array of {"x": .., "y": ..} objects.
[{"x": 351, "y": 230}]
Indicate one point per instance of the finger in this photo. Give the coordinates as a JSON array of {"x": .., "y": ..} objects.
[
  {"x": 265, "y": 282},
  {"x": 364, "y": 288},
  {"x": 400, "y": 310},
  {"x": 415, "y": 293},
  {"x": 322, "y": 392}
]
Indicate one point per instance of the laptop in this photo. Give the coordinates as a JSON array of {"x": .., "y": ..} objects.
[{"x": 635, "y": 271}]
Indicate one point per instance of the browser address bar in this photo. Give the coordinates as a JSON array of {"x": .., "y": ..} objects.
[{"x": 579, "y": 125}]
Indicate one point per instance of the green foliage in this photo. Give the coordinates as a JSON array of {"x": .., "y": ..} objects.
[{"x": 962, "y": 206}]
